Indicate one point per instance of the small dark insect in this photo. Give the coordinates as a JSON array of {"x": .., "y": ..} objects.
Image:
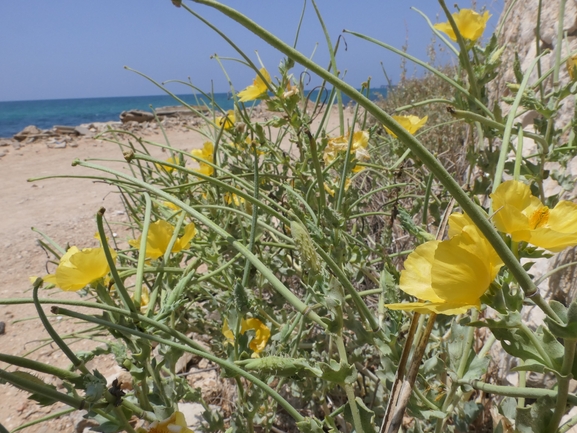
[{"x": 118, "y": 393}]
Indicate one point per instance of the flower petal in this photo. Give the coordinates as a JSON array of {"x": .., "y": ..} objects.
[{"x": 416, "y": 277}]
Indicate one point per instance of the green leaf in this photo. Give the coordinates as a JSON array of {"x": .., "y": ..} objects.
[
  {"x": 534, "y": 419},
  {"x": 477, "y": 368},
  {"x": 456, "y": 345},
  {"x": 338, "y": 372},
  {"x": 310, "y": 425},
  {"x": 367, "y": 416}
]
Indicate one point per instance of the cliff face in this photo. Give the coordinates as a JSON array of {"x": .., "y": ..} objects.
[
  {"x": 526, "y": 31},
  {"x": 521, "y": 33}
]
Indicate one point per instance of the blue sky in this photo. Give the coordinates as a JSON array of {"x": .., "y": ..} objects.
[{"x": 77, "y": 49}]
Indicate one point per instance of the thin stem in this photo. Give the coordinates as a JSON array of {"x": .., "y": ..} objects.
[{"x": 52, "y": 332}]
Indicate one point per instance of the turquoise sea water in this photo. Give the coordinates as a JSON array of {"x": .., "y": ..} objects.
[{"x": 16, "y": 115}]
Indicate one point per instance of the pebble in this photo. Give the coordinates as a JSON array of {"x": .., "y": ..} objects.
[
  {"x": 60, "y": 145},
  {"x": 3, "y": 153},
  {"x": 2, "y": 328}
]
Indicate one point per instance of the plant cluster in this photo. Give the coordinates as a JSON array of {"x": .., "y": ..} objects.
[{"x": 282, "y": 244}]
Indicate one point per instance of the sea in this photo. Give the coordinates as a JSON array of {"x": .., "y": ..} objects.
[{"x": 16, "y": 115}]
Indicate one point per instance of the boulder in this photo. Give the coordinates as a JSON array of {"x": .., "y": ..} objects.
[
  {"x": 27, "y": 132},
  {"x": 136, "y": 116},
  {"x": 82, "y": 130}
]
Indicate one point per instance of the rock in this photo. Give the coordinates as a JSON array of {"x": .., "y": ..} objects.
[
  {"x": 82, "y": 130},
  {"x": 74, "y": 144},
  {"x": 138, "y": 116},
  {"x": 26, "y": 132},
  {"x": 80, "y": 423},
  {"x": 60, "y": 145},
  {"x": 192, "y": 414},
  {"x": 4, "y": 143},
  {"x": 68, "y": 130},
  {"x": 2, "y": 328},
  {"x": 3, "y": 153}
]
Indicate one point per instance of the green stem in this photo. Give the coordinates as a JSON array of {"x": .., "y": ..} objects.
[
  {"x": 563, "y": 382},
  {"x": 467, "y": 115},
  {"x": 142, "y": 251},
  {"x": 115, "y": 276},
  {"x": 349, "y": 390},
  {"x": 39, "y": 366},
  {"x": 36, "y": 388},
  {"x": 318, "y": 172},
  {"x": 52, "y": 332},
  {"x": 412, "y": 143},
  {"x": 509, "y": 127},
  {"x": 510, "y": 391}
]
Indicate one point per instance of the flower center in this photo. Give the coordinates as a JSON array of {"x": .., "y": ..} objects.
[{"x": 539, "y": 218}]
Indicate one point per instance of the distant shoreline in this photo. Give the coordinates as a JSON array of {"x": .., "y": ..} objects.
[{"x": 45, "y": 114}]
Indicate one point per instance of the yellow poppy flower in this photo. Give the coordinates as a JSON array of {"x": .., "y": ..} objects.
[
  {"x": 227, "y": 121},
  {"x": 171, "y": 160},
  {"x": 233, "y": 198},
  {"x": 449, "y": 276},
  {"x": 176, "y": 423},
  {"x": 256, "y": 89},
  {"x": 411, "y": 123},
  {"x": 341, "y": 144},
  {"x": 206, "y": 153},
  {"x": 525, "y": 218},
  {"x": 471, "y": 24},
  {"x": 79, "y": 268},
  {"x": 571, "y": 65},
  {"x": 159, "y": 235},
  {"x": 261, "y": 337}
]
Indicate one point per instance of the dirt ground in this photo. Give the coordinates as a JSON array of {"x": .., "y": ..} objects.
[{"x": 63, "y": 209}]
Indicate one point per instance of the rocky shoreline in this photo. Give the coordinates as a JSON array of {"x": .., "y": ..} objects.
[{"x": 133, "y": 121}]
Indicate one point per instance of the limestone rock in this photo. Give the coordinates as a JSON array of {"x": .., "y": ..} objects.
[
  {"x": 138, "y": 116},
  {"x": 27, "y": 132}
]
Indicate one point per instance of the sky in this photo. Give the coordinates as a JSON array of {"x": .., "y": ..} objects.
[{"x": 78, "y": 49}]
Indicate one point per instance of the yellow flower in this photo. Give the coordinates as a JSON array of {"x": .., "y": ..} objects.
[
  {"x": 257, "y": 88},
  {"x": 329, "y": 190},
  {"x": 227, "y": 120},
  {"x": 79, "y": 268},
  {"x": 471, "y": 24},
  {"x": 171, "y": 160},
  {"x": 525, "y": 218},
  {"x": 206, "y": 153},
  {"x": 571, "y": 65},
  {"x": 233, "y": 198},
  {"x": 411, "y": 123},
  {"x": 261, "y": 337},
  {"x": 170, "y": 205},
  {"x": 341, "y": 144},
  {"x": 176, "y": 423},
  {"x": 159, "y": 235},
  {"x": 450, "y": 275}
]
